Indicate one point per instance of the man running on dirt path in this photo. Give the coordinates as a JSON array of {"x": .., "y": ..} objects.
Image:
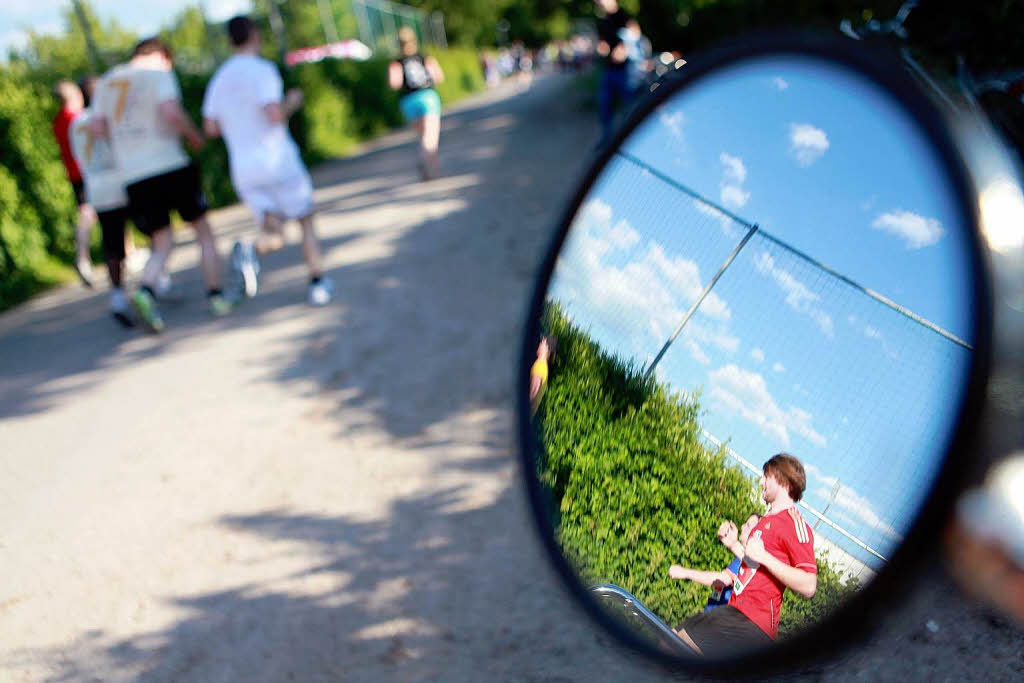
[
  {"x": 246, "y": 104},
  {"x": 138, "y": 105}
]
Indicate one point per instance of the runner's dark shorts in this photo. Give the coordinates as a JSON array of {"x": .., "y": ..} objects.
[
  {"x": 152, "y": 199},
  {"x": 113, "y": 224},
  {"x": 79, "y": 188},
  {"x": 724, "y": 632}
]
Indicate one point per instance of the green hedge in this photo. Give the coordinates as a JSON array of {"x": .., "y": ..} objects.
[
  {"x": 347, "y": 103},
  {"x": 634, "y": 489},
  {"x": 37, "y": 207}
]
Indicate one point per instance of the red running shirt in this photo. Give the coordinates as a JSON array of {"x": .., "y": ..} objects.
[
  {"x": 60, "y": 131},
  {"x": 756, "y": 592}
]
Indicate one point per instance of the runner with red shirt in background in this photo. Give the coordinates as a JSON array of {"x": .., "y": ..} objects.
[
  {"x": 72, "y": 103},
  {"x": 778, "y": 555}
]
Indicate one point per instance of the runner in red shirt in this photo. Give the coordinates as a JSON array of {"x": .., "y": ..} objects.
[
  {"x": 778, "y": 555},
  {"x": 72, "y": 103}
]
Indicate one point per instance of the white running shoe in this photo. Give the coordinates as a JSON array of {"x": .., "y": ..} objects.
[
  {"x": 246, "y": 264},
  {"x": 84, "y": 269},
  {"x": 320, "y": 293},
  {"x": 135, "y": 262},
  {"x": 120, "y": 308}
]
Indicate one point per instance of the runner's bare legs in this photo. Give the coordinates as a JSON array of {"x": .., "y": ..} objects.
[
  {"x": 210, "y": 259},
  {"x": 311, "y": 246}
]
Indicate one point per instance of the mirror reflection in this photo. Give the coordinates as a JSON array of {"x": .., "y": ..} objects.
[{"x": 756, "y": 341}]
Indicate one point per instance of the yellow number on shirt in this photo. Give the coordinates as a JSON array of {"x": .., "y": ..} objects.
[{"x": 122, "y": 95}]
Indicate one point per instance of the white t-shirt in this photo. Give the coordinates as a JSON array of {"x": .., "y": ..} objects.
[
  {"x": 260, "y": 152},
  {"x": 129, "y": 97},
  {"x": 104, "y": 188}
]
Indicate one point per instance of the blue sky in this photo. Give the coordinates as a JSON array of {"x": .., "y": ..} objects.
[
  {"x": 787, "y": 357},
  {"x": 47, "y": 16}
]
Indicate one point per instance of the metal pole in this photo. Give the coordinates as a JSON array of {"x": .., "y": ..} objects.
[
  {"x": 700, "y": 299},
  {"x": 362, "y": 18},
  {"x": 327, "y": 20},
  {"x": 831, "y": 499},
  {"x": 277, "y": 26},
  {"x": 94, "y": 55},
  {"x": 437, "y": 28}
]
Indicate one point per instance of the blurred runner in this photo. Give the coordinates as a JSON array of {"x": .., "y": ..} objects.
[
  {"x": 71, "y": 105},
  {"x": 104, "y": 191},
  {"x": 614, "y": 85},
  {"x": 246, "y": 104},
  {"x": 138, "y": 105},
  {"x": 720, "y": 582},
  {"x": 415, "y": 76},
  {"x": 539, "y": 371}
]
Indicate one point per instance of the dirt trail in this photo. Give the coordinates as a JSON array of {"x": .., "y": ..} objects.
[{"x": 330, "y": 494}]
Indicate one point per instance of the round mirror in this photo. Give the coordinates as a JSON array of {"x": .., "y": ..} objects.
[{"x": 750, "y": 351}]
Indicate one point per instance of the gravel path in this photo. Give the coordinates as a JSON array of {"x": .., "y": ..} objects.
[{"x": 331, "y": 494}]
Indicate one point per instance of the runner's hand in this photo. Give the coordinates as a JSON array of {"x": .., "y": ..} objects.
[
  {"x": 727, "y": 533},
  {"x": 676, "y": 572},
  {"x": 293, "y": 99},
  {"x": 754, "y": 549}
]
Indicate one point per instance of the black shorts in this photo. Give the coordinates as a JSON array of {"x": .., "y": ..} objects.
[
  {"x": 113, "y": 224},
  {"x": 79, "y": 188},
  {"x": 725, "y": 632},
  {"x": 152, "y": 199}
]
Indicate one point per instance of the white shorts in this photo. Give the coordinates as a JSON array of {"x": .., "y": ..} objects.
[{"x": 290, "y": 198}]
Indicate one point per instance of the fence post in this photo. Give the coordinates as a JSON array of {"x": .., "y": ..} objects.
[{"x": 700, "y": 299}]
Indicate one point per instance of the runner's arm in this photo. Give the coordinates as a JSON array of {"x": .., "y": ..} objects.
[
  {"x": 395, "y": 75},
  {"x": 804, "y": 583},
  {"x": 211, "y": 128},
  {"x": 702, "y": 577},
  {"x": 175, "y": 117},
  {"x": 535, "y": 382},
  {"x": 280, "y": 112},
  {"x": 435, "y": 70}
]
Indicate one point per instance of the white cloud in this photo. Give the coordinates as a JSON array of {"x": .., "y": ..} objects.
[
  {"x": 13, "y": 40},
  {"x": 735, "y": 169},
  {"x": 780, "y": 83},
  {"x": 734, "y": 196},
  {"x": 674, "y": 122},
  {"x": 779, "y": 367},
  {"x": 729, "y": 226},
  {"x": 807, "y": 143},
  {"x": 846, "y": 498},
  {"x": 623, "y": 235},
  {"x": 798, "y": 296},
  {"x": 915, "y": 230},
  {"x": 746, "y": 394},
  {"x": 733, "y": 176},
  {"x": 697, "y": 352},
  {"x": 874, "y": 334},
  {"x": 222, "y": 10},
  {"x": 757, "y": 355},
  {"x": 650, "y": 293}
]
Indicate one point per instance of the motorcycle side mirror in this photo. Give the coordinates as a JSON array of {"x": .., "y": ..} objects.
[{"x": 757, "y": 353}]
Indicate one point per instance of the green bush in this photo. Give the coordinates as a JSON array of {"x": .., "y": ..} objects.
[
  {"x": 37, "y": 208},
  {"x": 634, "y": 490}
]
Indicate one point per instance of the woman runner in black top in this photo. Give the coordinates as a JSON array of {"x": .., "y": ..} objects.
[{"x": 415, "y": 76}]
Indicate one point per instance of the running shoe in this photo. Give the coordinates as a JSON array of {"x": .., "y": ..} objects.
[
  {"x": 247, "y": 264},
  {"x": 145, "y": 306},
  {"x": 84, "y": 269},
  {"x": 135, "y": 262},
  {"x": 121, "y": 309},
  {"x": 321, "y": 292},
  {"x": 168, "y": 291},
  {"x": 220, "y": 305}
]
